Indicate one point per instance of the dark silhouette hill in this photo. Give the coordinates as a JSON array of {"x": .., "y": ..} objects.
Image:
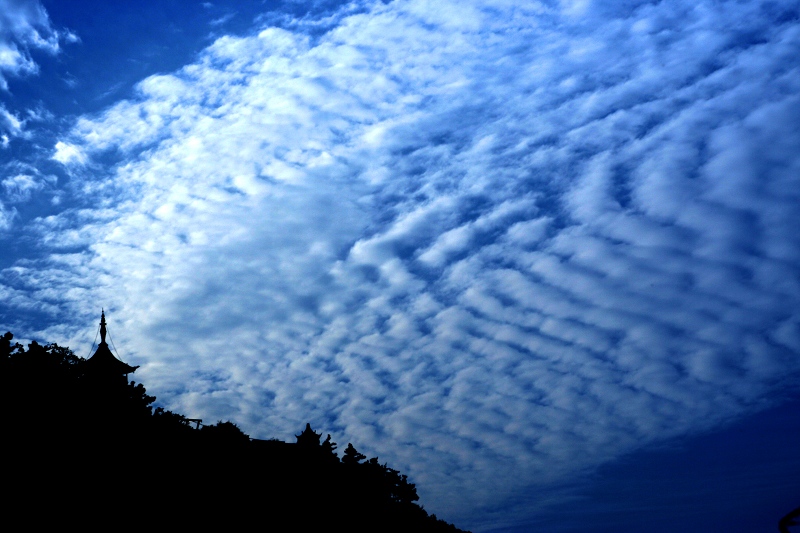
[{"x": 82, "y": 445}]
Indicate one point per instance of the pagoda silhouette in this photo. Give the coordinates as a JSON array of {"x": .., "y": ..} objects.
[{"x": 103, "y": 364}]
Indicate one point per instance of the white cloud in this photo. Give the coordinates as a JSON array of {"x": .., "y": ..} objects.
[
  {"x": 25, "y": 25},
  {"x": 19, "y": 188},
  {"x": 67, "y": 154},
  {"x": 508, "y": 245},
  {"x": 7, "y": 216},
  {"x": 10, "y": 122}
]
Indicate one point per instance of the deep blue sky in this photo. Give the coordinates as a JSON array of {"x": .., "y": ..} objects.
[{"x": 543, "y": 258}]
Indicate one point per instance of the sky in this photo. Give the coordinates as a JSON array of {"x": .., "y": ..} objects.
[{"x": 542, "y": 257}]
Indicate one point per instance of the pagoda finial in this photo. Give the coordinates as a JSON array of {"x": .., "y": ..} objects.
[{"x": 102, "y": 326}]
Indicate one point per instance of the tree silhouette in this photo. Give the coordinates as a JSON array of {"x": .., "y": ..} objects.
[
  {"x": 791, "y": 519},
  {"x": 68, "y": 424},
  {"x": 352, "y": 456},
  {"x": 224, "y": 433}
]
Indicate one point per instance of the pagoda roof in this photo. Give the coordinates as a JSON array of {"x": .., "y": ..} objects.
[
  {"x": 308, "y": 437},
  {"x": 104, "y": 361}
]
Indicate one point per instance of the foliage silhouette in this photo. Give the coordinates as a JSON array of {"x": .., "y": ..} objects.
[
  {"x": 791, "y": 519},
  {"x": 352, "y": 456},
  {"x": 69, "y": 429}
]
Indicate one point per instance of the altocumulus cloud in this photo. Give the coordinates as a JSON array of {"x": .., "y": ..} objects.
[
  {"x": 498, "y": 245},
  {"x": 24, "y": 28}
]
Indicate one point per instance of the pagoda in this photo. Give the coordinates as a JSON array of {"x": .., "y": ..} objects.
[
  {"x": 308, "y": 438},
  {"x": 103, "y": 362}
]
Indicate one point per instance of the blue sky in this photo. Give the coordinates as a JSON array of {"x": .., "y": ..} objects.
[{"x": 526, "y": 254}]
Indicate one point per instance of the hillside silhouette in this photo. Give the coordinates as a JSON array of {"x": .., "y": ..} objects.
[{"x": 83, "y": 445}]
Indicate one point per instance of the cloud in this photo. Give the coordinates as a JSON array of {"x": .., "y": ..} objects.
[
  {"x": 68, "y": 154},
  {"x": 19, "y": 188},
  {"x": 7, "y": 216},
  {"x": 24, "y": 25},
  {"x": 496, "y": 245},
  {"x": 10, "y": 122}
]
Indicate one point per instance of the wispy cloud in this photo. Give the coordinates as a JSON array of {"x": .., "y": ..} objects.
[
  {"x": 510, "y": 242},
  {"x": 20, "y": 187},
  {"x": 24, "y": 25}
]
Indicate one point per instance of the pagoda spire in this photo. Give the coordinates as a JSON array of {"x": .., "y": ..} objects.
[
  {"x": 102, "y": 326},
  {"x": 103, "y": 362}
]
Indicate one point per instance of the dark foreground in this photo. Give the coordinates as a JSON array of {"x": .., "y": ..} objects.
[{"x": 83, "y": 447}]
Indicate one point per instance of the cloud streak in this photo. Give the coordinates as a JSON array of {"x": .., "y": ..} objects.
[
  {"x": 23, "y": 25},
  {"x": 25, "y": 28},
  {"x": 513, "y": 242}
]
